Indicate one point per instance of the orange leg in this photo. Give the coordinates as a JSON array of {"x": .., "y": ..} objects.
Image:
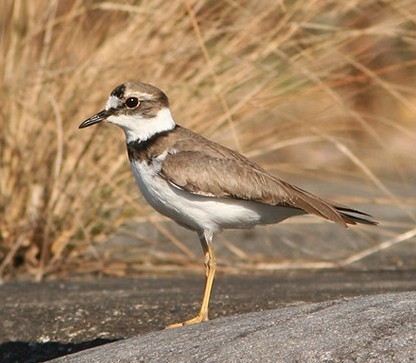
[{"x": 210, "y": 263}]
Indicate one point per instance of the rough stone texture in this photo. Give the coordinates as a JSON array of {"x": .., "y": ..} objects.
[
  {"x": 41, "y": 321},
  {"x": 52, "y": 319},
  {"x": 379, "y": 328}
]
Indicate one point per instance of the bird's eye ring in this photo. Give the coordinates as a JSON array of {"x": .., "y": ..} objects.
[{"x": 132, "y": 102}]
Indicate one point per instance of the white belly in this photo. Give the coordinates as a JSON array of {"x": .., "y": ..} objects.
[{"x": 201, "y": 213}]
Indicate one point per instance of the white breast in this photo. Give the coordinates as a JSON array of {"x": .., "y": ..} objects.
[{"x": 201, "y": 213}]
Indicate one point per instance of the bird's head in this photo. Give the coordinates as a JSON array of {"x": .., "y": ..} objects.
[{"x": 140, "y": 109}]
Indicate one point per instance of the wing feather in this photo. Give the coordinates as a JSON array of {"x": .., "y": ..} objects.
[
  {"x": 211, "y": 176},
  {"x": 203, "y": 167}
]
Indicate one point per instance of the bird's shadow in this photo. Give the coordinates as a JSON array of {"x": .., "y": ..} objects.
[{"x": 33, "y": 352}]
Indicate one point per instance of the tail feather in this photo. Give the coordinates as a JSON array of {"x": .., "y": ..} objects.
[
  {"x": 350, "y": 218},
  {"x": 329, "y": 210}
]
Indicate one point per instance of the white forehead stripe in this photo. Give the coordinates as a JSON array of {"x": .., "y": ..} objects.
[
  {"x": 112, "y": 102},
  {"x": 146, "y": 96}
]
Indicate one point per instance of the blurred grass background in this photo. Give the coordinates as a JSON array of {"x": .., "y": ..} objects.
[{"x": 308, "y": 88}]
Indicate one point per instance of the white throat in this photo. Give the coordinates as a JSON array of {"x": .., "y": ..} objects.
[{"x": 137, "y": 127}]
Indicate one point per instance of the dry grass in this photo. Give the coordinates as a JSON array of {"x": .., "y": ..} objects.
[{"x": 274, "y": 79}]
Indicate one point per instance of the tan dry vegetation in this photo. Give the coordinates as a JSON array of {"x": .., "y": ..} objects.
[{"x": 277, "y": 80}]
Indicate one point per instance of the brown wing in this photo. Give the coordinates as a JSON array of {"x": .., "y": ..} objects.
[
  {"x": 206, "y": 168},
  {"x": 237, "y": 177}
]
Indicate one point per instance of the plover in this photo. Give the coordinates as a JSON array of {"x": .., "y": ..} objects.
[{"x": 202, "y": 185}]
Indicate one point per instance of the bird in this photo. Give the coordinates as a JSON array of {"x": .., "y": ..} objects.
[{"x": 200, "y": 184}]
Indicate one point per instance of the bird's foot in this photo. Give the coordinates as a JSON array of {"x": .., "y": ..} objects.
[{"x": 198, "y": 319}]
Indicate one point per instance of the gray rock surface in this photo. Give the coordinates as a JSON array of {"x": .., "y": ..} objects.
[
  {"x": 42, "y": 321},
  {"x": 378, "y": 328}
]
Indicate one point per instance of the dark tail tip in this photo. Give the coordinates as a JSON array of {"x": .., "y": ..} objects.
[{"x": 353, "y": 216}]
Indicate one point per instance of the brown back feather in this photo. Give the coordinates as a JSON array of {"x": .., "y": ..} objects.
[{"x": 203, "y": 167}]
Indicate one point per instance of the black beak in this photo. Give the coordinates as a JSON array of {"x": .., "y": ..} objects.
[{"x": 99, "y": 117}]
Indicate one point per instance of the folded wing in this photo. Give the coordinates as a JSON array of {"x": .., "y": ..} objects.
[{"x": 227, "y": 174}]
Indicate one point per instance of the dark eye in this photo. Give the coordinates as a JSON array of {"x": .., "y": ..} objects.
[{"x": 132, "y": 102}]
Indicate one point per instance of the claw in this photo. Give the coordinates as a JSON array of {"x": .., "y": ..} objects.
[{"x": 197, "y": 319}]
